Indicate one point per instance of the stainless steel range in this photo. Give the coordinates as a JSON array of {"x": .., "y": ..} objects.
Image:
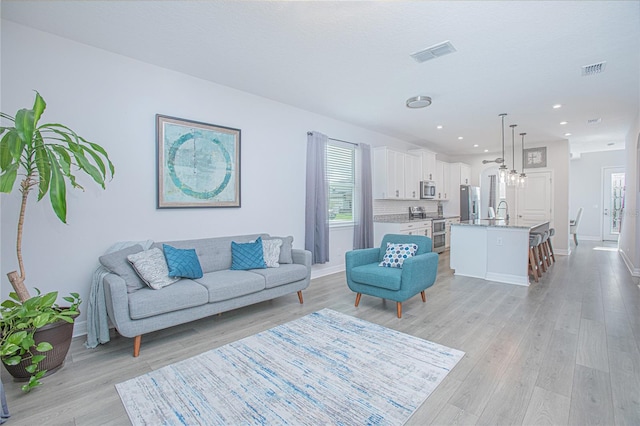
[{"x": 438, "y": 231}]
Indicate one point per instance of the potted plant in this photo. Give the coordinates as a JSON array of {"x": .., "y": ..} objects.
[
  {"x": 45, "y": 158},
  {"x": 22, "y": 352}
]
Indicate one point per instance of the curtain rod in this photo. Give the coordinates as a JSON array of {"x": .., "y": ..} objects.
[{"x": 337, "y": 140}]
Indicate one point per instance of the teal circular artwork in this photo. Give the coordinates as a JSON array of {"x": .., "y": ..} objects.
[{"x": 200, "y": 161}]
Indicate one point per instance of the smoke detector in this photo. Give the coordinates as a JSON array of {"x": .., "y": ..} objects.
[
  {"x": 434, "y": 51},
  {"x": 592, "y": 69}
]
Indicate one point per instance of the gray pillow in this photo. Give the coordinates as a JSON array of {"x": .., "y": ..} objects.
[
  {"x": 271, "y": 252},
  {"x": 117, "y": 263},
  {"x": 285, "y": 249},
  {"x": 152, "y": 267}
]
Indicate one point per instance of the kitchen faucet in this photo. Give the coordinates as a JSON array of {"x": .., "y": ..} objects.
[{"x": 506, "y": 209}]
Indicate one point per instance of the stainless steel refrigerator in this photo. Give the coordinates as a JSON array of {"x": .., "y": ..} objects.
[{"x": 469, "y": 202}]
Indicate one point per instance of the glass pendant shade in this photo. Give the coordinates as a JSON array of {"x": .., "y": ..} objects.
[
  {"x": 503, "y": 171},
  {"x": 522, "y": 179},
  {"x": 512, "y": 178}
]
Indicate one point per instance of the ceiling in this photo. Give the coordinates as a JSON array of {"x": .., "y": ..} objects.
[{"x": 350, "y": 60}]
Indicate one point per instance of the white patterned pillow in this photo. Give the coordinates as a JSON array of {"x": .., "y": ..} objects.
[
  {"x": 151, "y": 266},
  {"x": 396, "y": 254},
  {"x": 271, "y": 252}
]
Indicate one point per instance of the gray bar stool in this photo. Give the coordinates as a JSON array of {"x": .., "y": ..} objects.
[{"x": 534, "y": 263}]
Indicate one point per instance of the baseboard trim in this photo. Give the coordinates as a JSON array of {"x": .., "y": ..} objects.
[
  {"x": 79, "y": 328},
  {"x": 589, "y": 238},
  {"x": 321, "y": 272},
  {"x": 507, "y": 278},
  {"x": 635, "y": 272}
]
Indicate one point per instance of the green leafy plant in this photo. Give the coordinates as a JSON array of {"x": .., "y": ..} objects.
[
  {"x": 20, "y": 321},
  {"x": 44, "y": 156}
]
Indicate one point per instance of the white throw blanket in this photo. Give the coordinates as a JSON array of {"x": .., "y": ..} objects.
[{"x": 97, "y": 321}]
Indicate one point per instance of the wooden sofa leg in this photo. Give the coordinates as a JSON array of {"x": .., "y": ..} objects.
[
  {"x": 424, "y": 296},
  {"x": 300, "y": 297},
  {"x": 358, "y": 296},
  {"x": 136, "y": 345},
  {"x": 399, "y": 309}
]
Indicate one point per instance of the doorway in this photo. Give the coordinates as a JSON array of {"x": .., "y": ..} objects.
[
  {"x": 535, "y": 201},
  {"x": 613, "y": 188}
]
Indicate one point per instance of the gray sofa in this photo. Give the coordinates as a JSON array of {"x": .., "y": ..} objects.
[{"x": 136, "y": 309}]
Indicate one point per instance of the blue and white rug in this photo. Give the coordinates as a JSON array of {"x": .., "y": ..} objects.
[{"x": 324, "y": 368}]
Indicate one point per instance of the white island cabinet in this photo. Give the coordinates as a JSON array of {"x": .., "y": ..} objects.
[{"x": 492, "y": 250}]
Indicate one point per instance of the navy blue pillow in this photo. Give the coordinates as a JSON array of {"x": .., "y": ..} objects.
[
  {"x": 247, "y": 255},
  {"x": 182, "y": 263}
]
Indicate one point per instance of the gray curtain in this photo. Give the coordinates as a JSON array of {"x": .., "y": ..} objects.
[
  {"x": 316, "y": 229},
  {"x": 363, "y": 206},
  {"x": 492, "y": 191}
]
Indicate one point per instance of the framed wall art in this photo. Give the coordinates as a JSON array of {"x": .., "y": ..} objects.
[
  {"x": 535, "y": 157},
  {"x": 198, "y": 164}
]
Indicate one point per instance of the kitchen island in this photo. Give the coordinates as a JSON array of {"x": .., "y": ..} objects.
[{"x": 492, "y": 249}]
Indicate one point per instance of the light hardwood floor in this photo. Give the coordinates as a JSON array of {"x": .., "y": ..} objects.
[{"x": 563, "y": 351}]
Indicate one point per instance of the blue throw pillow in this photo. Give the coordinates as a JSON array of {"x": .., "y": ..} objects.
[
  {"x": 182, "y": 263},
  {"x": 247, "y": 255},
  {"x": 396, "y": 254}
]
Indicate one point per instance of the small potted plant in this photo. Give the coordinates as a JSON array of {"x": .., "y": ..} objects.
[
  {"x": 24, "y": 353},
  {"x": 43, "y": 159}
]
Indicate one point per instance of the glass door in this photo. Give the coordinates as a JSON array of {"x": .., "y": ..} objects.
[{"x": 612, "y": 202}]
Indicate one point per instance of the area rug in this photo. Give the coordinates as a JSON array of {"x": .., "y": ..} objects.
[{"x": 324, "y": 368}]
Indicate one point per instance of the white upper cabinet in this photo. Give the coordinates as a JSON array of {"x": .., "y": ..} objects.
[
  {"x": 465, "y": 174},
  {"x": 412, "y": 176},
  {"x": 442, "y": 180},
  {"x": 388, "y": 174},
  {"x": 428, "y": 159}
]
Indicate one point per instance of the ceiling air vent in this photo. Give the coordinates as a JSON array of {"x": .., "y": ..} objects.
[
  {"x": 434, "y": 51},
  {"x": 593, "y": 68},
  {"x": 594, "y": 121}
]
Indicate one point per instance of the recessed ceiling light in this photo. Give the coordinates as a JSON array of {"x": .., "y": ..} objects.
[
  {"x": 567, "y": 134},
  {"x": 418, "y": 102},
  {"x": 460, "y": 138},
  {"x": 439, "y": 126},
  {"x": 486, "y": 150},
  {"x": 563, "y": 123},
  {"x": 475, "y": 145},
  {"x": 556, "y": 106}
]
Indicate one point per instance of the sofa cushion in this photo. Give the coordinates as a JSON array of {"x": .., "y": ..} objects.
[
  {"x": 117, "y": 263},
  {"x": 247, "y": 255},
  {"x": 285, "y": 249},
  {"x": 214, "y": 253},
  {"x": 151, "y": 266},
  {"x": 376, "y": 276},
  {"x": 182, "y": 263},
  {"x": 147, "y": 302},
  {"x": 228, "y": 284},
  {"x": 285, "y": 274}
]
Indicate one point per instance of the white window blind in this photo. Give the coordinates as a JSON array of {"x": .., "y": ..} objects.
[{"x": 340, "y": 176}]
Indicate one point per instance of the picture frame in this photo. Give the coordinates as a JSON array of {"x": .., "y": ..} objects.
[
  {"x": 198, "y": 164},
  {"x": 535, "y": 157}
]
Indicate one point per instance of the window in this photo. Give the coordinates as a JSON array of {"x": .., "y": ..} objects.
[{"x": 340, "y": 175}]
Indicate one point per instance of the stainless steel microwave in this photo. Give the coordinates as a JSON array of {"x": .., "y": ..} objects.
[{"x": 427, "y": 189}]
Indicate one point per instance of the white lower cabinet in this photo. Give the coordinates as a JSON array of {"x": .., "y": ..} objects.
[
  {"x": 447, "y": 227},
  {"x": 418, "y": 227}
]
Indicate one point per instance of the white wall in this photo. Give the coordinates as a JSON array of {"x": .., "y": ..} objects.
[
  {"x": 585, "y": 189},
  {"x": 112, "y": 100},
  {"x": 629, "y": 241}
]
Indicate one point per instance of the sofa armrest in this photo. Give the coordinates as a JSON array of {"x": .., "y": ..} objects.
[
  {"x": 419, "y": 269},
  {"x": 117, "y": 300},
  {"x": 301, "y": 257}
]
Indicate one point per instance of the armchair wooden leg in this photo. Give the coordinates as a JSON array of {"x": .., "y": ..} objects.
[
  {"x": 136, "y": 345},
  {"x": 399, "y": 309},
  {"x": 300, "y": 297},
  {"x": 424, "y": 296},
  {"x": 358, "y": 296}
]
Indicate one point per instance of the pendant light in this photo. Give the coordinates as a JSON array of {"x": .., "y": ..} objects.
[
  {"x": 522, "y": 179},
  {"x": 503, "y": 170},
  {"x": 512, "y": 178}
]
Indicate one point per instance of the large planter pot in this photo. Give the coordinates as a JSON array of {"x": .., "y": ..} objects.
[{"x": 59, "y": 334}]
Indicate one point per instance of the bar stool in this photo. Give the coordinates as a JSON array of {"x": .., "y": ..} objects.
[
  {"x": 540, "y": 249},
  {"x": 552, "y": 256},
  {"x": 534, "y": 264}
]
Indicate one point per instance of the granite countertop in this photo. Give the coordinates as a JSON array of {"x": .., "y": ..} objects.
[
  {"x": 498, "y": 223},
  {"x": 404, "y": 218}
]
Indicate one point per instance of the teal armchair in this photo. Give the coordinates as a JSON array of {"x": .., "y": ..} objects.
[{"x": 418, "y": 273}]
